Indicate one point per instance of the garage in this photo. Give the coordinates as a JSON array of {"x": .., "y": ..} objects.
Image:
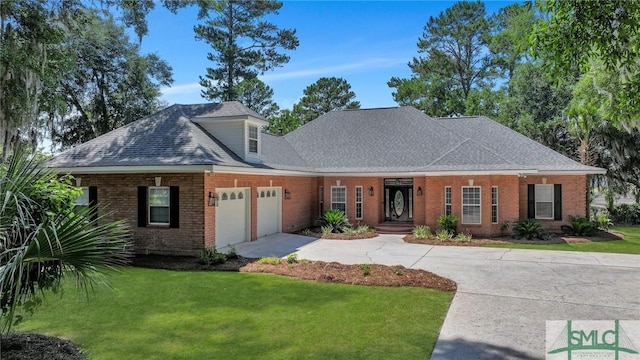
[
  {"x": 269, "y": 210},
  {"x": 233, "y": 216}
]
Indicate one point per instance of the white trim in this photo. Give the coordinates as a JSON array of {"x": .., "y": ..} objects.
[
  {"x": 359, "y": 187},
  {"x": 126, "y": 169},
  {"x": 237, "y": 118},
  {"x": 496, "y": 205},
  {"x": 463, "y": 205}
]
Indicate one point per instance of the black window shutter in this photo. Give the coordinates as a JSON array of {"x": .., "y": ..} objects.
[
  {"x": 93, "y": 202},
  {"x": 531, "y": 201},
  {"x": 142, "y": 206},
  {"x": 174, "y": 207},
  {"x": 557, "y": 202}
]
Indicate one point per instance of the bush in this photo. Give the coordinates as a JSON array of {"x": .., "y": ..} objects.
[
  {"x": 463, "y": 237},
  {"x": 601, "y": 219},
  {"x": 292, "y": 258},
  {"x": 527, "y": 229},
  {"x": 366, "y": 269},
  {"x": 233, "y": 253},
  {"x": 448, "y": 223},
  {"x": 422, "y": 232},
  {"x": 272, "y": 260},
  {"x": 626, "y": 214},
  {"x": 211, "y": 256},
  {"x": 444, "y": 235},
  {"x": 579, "y": 226},
  {"x": 362, "y": 229},
  {"x": 336, "y": 220}
]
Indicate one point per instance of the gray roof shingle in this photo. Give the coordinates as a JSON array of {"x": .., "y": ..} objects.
[{"x": 383, "y": 140}]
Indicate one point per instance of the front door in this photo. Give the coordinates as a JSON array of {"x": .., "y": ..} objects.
[{"x": 398, "y": 194}]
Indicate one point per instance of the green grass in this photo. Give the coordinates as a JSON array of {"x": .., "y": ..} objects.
[
  {"x": 156, "y": 314},
  {"x": 629, "y": 245}
]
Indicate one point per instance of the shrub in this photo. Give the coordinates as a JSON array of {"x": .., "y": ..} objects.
[
  {"x": 444, "y": 235},
  {"x": 448, "y": 223},
  {"x": 211, "y": 256},
  {"x": 272, "y": 260},
  {"x": 398, "y": 271},
  {"x": 602, "y": 219},
  {"x": 326, "y": 229},
  {"x": 422, "y": 232},
  {"x": 307, "y": 232},
  {"x": 579, "y": 226},
  {"x": 463, "y": 237},
  {"x": 527, "y": 229},
  {"x": 292, "y": 258},
  {"x": 232, "y": 254},
  {"x": 336, "y": 220},
  {"x": 626, "y": 214},
  {"x": 366, "y": 269}
]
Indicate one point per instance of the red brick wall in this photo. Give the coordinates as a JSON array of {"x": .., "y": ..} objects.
[
  {"x": 508, "y": 202},
  {"x": 119, "y": 192},
  {"x": 298, "y": 212},
  {"x": 574, "y": 196},
  {"x": 372, "y": 206}
]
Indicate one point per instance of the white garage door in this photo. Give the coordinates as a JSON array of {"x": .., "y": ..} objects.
[
  {"x": 269, "y": 210},
  {"x": 233, "y": 216}
]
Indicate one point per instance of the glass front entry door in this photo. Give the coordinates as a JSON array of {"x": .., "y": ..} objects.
[{"x": 398, "y": 194}]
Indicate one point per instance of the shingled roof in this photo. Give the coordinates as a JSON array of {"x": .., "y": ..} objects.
[{"x": 383, "y": 140}]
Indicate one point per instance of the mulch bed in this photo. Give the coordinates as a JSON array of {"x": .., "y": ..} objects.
[
  {"x": 27, "y": 346},
  {"x": 380, "y": 275},
  {"x": 555, "y": 239},
  {"x": 187, "y": 263},
  {"x": 345, "y": 236}
]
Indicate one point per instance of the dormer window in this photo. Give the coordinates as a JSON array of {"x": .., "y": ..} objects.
[{"x": 253, "y": 139}]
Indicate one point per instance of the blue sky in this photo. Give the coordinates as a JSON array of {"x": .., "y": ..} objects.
[{"x": 364, "y": 42}]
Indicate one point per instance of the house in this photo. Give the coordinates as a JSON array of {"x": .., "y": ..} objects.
[{"x": 195, "y": 176}]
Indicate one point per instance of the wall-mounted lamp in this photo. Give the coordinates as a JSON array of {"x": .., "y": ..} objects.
[
  {"x": 213, "y": 199},
  {"x": 158, "y": 180},
  {"x": 287, "y": 194},
  {"x": 370, "y": 190},
  {"x": 78, "y": 182},
  {"x": 419, "y": 191}
]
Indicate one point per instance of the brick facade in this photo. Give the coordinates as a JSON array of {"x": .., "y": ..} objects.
[{"x": 118, "y": 192}]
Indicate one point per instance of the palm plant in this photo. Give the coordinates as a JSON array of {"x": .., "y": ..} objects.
[{"x": 43, "y": 240}]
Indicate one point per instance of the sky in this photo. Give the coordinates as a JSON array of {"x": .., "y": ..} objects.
[{"x": 365, "y": 42}]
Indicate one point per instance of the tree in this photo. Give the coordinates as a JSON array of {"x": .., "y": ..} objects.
[
  {"x": 110, "y": 83},
  {"x": 456, "y": 61},
  {"x": 44, "y": 240},
  {"x": 326, "y": 94},
  {"x": 608, "y": 31},
  {"x": 258, "y": 97},
  {"x": 244, "y": 45},
  {"x": 510, "y": 44},
  {"x": 283, "y": 123}
]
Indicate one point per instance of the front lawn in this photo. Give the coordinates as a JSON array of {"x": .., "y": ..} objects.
[
  {"x": 629, "y": 245},
  {"x": 158, "y": 314}
]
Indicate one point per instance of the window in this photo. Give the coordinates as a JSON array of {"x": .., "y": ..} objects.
[
  {"x": 321, "y": 200},
  {"x": 339, "y": 198},
  {"x": 447, "y": 200},
  {"x": 544, "y": 201},
  {"x": 471, "y": 205},
  {"x": 494, "y": 204},
  {"x": 253, "y": 139},
  {"x": 82, "y": 201},
  {"x": 358, "y": 202},
  {"x": 159, "y": 205}
]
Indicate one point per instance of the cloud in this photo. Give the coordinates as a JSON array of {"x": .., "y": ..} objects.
[
  {"x": 181, "y": 89},
  {"x": 377, "y": 63}
]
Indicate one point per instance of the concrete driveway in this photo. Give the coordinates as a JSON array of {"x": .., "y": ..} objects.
[{"x": 504, "y": 296}]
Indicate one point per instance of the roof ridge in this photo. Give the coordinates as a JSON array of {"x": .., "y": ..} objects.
[{"x": 446, "y": 153}]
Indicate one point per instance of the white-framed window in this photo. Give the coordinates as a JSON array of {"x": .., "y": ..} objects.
[
  {"x": 339, "y": 198},
  {"x": 159, "y": 205},
  {"x": 447, "y": 200},
  {"x": 494, "y": 204},
  {"x": 471, "y": 213},
  {"x": 82, "y": 201},
  {"x": 358, "y": 202},
  {"x": 252, "y": 138},
  {"x": 544, "y": 201}
]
